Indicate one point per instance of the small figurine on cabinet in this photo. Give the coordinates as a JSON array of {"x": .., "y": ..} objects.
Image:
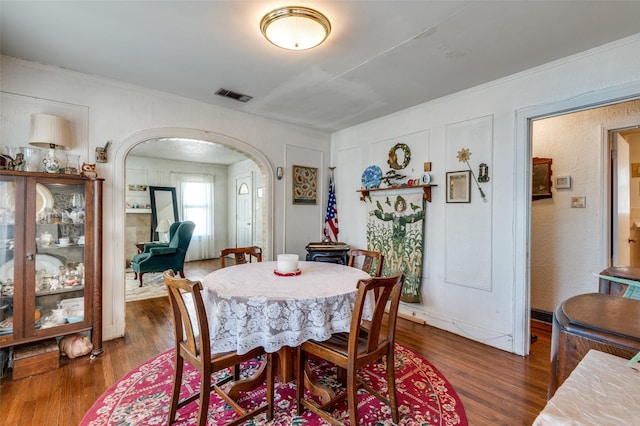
[{"x": 89, "y": 170}]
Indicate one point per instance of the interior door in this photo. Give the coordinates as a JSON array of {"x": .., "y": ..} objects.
[
  {"x": 244, "y": 216},
  {"x": 622, "y": 203},
  {"x": 625, "y": 198}
]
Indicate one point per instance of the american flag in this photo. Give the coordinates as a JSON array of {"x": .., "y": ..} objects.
[{"x": 331, "y": 219}]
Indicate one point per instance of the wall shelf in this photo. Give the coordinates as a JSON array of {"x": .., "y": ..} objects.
[
  {"x": 426, "y": 191},
  {"x": 147, "y": 211}
]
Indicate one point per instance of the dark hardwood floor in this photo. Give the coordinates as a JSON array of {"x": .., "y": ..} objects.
[{"x": 496, "y": 387}]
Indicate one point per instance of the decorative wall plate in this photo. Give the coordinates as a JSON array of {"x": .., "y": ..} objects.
[
  {"x": 371, "y": 177},
  {"x": 43, "y": 261},
  {"x": 425, "y": 179},
  {"x": 44, "y": 199}
]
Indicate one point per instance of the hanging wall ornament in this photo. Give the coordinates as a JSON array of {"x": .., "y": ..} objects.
[
  {"x": 483, "y": 173},
  {"x": 393, "y": 156}
]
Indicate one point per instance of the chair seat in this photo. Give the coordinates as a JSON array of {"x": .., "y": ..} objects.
[{"x": 339, "y": 343}]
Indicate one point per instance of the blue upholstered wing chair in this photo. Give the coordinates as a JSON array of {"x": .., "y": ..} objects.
[{"x": 160, "y": 257}]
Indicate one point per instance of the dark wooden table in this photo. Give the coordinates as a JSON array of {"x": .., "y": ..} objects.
[
  {"x": 626, "y": 272},
  {"x": 598, "y": 321}
]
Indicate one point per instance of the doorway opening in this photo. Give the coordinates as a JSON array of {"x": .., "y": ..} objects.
[
  {"x": 578, "y": 231},
  {"x": 203, "y": 191},
  {"x": 625, "y": 195},
  {"x": 118, "y": 269}
]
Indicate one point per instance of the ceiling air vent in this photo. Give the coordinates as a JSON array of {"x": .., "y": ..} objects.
[{"x": 234, "y": 95}]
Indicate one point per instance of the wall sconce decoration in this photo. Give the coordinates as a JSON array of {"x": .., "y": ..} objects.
[
  {"x": 101, "y": 153},
  {"x": 483, "y": 173},
  {"x": 279, "y": 173},
  {"x": 50, "y": 131},
  {"x": 463, "y": 156}
]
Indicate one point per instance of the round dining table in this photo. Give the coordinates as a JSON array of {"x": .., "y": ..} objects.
[{"x": 252, "y": 305}]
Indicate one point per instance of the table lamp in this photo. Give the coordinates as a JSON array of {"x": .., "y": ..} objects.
[
  {"x": 50, "y": 131},
  {"x": 163, "y": 230}
]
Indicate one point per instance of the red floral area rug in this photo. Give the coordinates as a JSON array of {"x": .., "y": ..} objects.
[{"x": 142, "y": 397}]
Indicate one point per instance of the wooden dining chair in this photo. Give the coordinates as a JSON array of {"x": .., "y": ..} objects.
[
  {"x": 352, "y": 351},
  {"x": 367, "y": 257},
  {"x": 241, "y": 254},
  {"x": 194, "y": 346}
]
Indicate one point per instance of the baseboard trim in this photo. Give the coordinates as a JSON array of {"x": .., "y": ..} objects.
[{"x": 541, "y": 315}]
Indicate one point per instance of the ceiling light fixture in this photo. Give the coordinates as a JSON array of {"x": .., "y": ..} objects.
[{"x": 295, "y": 27}]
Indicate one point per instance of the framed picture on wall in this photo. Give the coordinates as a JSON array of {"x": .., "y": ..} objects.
[
  {"x": 459, "y": 187},
  {"x": 305, "y": 185},
  {"x": 541, "y": 178}
]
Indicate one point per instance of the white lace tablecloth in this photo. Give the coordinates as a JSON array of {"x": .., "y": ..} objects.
[{"x": 249, "y": 306}]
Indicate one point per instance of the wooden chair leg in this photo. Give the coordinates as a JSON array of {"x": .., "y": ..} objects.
[
  {"x": 140, "y": 274},
  {"x": 205, "y": 392},
  {"x": 352, "y": 398},
  {"x": 302, "y": 359},
  {"x": 181, "y": 274},
  {"x": 391, "y": 385},
  {"x": 175, "y": 391},
  {"x": 271, "y": 370}
]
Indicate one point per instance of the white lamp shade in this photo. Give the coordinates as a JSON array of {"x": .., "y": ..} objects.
[
  {"x": 47, "y": 130},
  {"x": 163, "y": 226}
]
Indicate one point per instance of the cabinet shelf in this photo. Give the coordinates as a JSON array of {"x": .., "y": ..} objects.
[
  {"x": 60, "y": 291},
  {"x": 425, "y": 188}
]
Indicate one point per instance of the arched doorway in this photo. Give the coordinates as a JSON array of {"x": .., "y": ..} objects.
[{"x": 118, "y": 190}]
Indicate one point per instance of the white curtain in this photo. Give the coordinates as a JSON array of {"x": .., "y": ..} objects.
[{"x": 195, "y": 203}]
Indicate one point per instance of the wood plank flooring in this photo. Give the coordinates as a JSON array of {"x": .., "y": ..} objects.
[{"x": 496, "y": 387}]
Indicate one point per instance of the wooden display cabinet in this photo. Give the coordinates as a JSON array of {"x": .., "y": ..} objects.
[{"x": 50, "y": 257}]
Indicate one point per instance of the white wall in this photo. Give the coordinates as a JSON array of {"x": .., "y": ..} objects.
[
  {"x": 490, "y": 120},
  {"x": 566, "y": 242},
  {"x": 103, "y": 110}
]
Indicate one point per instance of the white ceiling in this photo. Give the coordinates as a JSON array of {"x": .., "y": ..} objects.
[{"x": 381, "y": 57}]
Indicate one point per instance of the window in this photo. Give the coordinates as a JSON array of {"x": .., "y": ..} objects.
[{"x": 195, "y": 204}]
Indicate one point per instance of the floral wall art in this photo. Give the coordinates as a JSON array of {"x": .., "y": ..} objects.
[{"x": 305, "y": 185}]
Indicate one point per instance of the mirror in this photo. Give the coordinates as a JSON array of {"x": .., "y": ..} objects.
[{"x": 164, "y": 205}]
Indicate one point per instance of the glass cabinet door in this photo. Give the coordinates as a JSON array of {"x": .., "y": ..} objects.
[
  {"x": 7, "y": 253},
  {"x": 59, "y": 274}
]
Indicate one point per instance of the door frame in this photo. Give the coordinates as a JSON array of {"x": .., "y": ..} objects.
[
  {"x": 610, "y": 169},
  {"x": 116, "y": 269},
  {"x": 522, "y": 195}
]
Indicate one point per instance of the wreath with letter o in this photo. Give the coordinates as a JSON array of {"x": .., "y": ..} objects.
[{"x": 393, "y": 156}]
